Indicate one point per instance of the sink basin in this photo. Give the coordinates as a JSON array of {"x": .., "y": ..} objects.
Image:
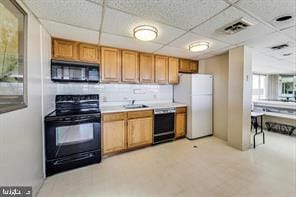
[{"x": 134, "y": 106}]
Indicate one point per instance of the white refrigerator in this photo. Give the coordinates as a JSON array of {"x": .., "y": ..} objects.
[{"x": 196, "y": 91}]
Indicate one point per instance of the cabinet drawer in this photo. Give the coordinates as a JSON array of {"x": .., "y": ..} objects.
[
  {"x": 181, "y": 110},
  {"x": 113, "y": 117},
  {"x": 139, "y": 114}
]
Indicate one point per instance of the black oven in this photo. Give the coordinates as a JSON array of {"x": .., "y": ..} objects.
[
  {"x": 73, "y": 134},
  {"x": 70, "y": 135},
  {"x": 164, "y": 125}
]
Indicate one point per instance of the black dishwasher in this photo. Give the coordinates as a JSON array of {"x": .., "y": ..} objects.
[{"x": 164, "y": 125}]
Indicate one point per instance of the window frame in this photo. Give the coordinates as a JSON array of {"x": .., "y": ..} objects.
[{"x": 24, "y": 103}]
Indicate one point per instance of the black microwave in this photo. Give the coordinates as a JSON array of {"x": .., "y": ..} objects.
[{"x": 68, "y": 71}]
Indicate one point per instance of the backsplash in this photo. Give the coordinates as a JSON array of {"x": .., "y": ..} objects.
[{"x": 113, "y": 94}]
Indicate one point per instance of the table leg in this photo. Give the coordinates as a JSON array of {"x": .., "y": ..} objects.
[
  {"x": 256, "y": 127},
  {"x": 262, "y": 129}
]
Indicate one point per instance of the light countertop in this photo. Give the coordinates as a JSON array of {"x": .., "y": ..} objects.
[
  {"x": 276, "y": 104},
  {"x": 120, "y": 108}
]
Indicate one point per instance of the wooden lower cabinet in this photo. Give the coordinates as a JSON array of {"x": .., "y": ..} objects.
[
  {"x": 125, "y": 130},
  {"x": 181, "y": 120},
  {"x": 114, "y": 136},
  {"x": 139, "y": 132}
]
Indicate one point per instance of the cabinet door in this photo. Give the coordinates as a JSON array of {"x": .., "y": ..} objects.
[
  {"x": 180, "y": 125},
  {"x": 64, "y": 49},
  {"x": 173, "y": 70},
  {"x": 146, "y": 68},
  {"x": 110, "y": 65},
  {"x": 89, "y": 53},
  {"x": 139, "y": 132},
  {"x": 184, "y": 66},
  {"x": 114, "y": 136},
  {"x": 161, "y": 69},
  {"x": 193, "y": 67},
  {"x": 130, "y": 67}
]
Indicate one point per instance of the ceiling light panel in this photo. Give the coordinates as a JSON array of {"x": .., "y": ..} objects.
[
  {"x": 176, "y": 13},
  {"x": 269, "y": 10},
  {"x": 211, "y": 28},
  {"x": 70, "y": 32},
  {"x": 145, "y": 32},
  {"x": 189, "y": 38},
  {"x": 128, "y": 43},
  {"x": 123, "y": 24},
  {"x": 198, "y": 46},
  {"x": 80, "y": 13}
]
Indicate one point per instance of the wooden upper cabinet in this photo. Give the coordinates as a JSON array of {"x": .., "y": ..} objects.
[
  {"x": 64, "y": 49},
  {"x": 89, "y": 53},
  {"x": 193, "y": 66},
  {"x": 184, "y": 66},
  {"x": 173, "y": 70},
  {"x": 130, "y": 67},
  {"x": 110, "y": 65},
  {"x": 139, "y": 132},
  {"x": 188, "y": 66},
  {"x": 161, "y": 69},
  {"x": 146, "y": 68}
]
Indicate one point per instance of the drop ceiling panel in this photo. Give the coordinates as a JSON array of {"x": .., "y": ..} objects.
[
  {"x": 268, "y": 10},
  {"x": 71, "y": 32},
  {"x": 174, "y": 51},
  {"x": 263, "y": 63},
  {"x": 80, "y": 13},
  {"x": 231, "y": 1},
  {"x": 128, "y": 43},
  {"x": 291, "y": 32},
  {"x": 211, "y": 27},
  {"x": 178, "y": 13},
  {"x": 184, "y": 42},
  {"x": 96, "y": 1},
  {"x": 120, "y": 23},
  {"x": 265, "y": 43}
]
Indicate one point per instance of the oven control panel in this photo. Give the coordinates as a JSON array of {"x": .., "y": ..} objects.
[{"x": 165, "y": 110}]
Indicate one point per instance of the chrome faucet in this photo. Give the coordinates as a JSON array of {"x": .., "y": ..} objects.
[{"x": 132, "y": 102}]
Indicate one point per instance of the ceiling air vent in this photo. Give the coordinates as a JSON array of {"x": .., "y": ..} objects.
[
  {"x": 235, "y": 26},
  {"x": 278, "y": 47}
]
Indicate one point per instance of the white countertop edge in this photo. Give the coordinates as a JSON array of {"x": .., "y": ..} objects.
[
  {"x": 273, "y": 114},
  {"x": 120, "y": 108}
]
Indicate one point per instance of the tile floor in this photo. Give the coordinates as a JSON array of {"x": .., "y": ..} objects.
[{"x": 178, "y": 169}]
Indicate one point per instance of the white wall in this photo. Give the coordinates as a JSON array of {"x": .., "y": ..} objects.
[
  {"x": 218, "y": 67},
  {"x": 21, "y": 150},
  {"x": 239, "y": 97}
]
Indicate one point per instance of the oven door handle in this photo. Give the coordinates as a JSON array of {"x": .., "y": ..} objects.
[{"x": 65, "y": 161}]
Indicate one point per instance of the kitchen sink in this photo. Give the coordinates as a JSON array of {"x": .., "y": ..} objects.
[{"x": 134, "y": 106}]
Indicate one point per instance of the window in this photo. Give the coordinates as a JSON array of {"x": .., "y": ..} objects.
[
  {"x": 287, "y": 85},
  {"x": 259, "y": 87},
  {"x": 12, "y": 56}
]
